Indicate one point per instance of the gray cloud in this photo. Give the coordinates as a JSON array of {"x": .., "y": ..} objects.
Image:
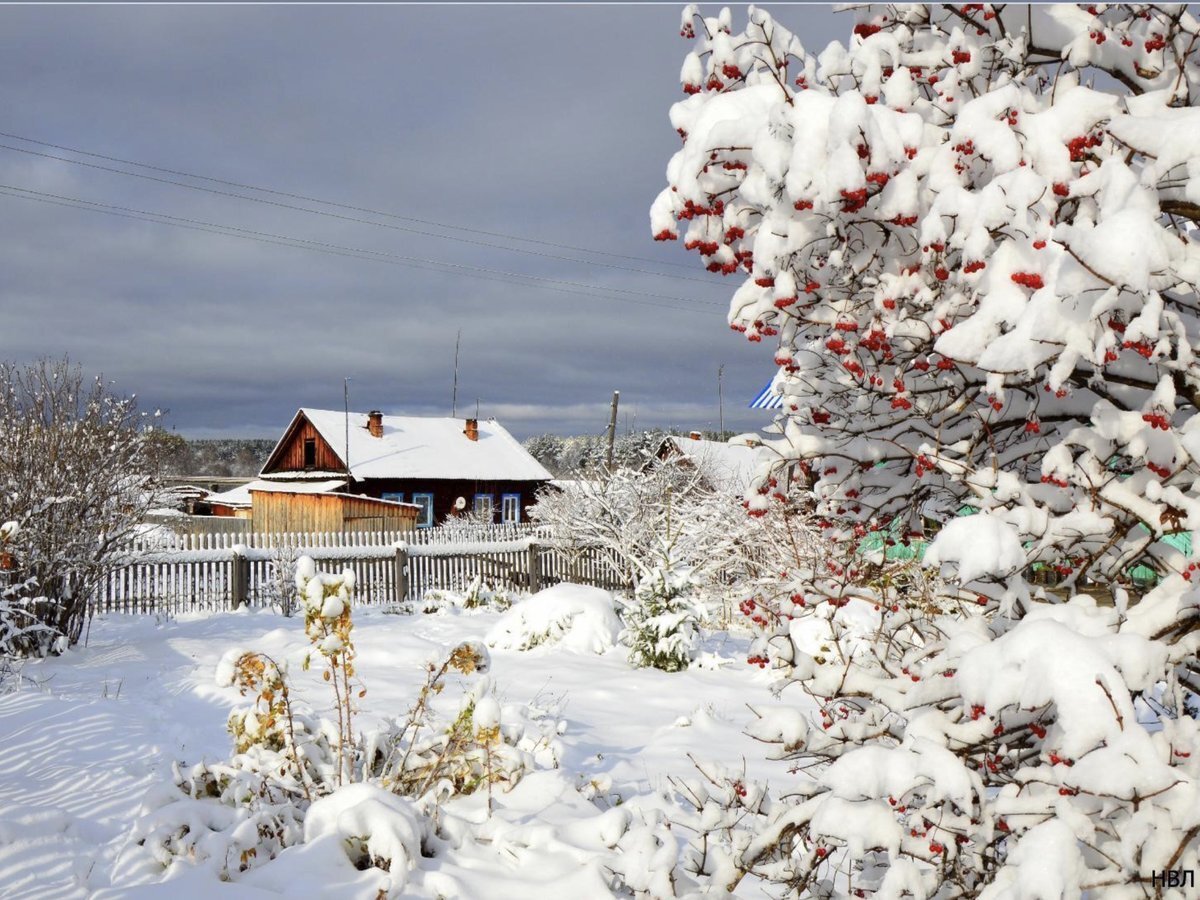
[{"x": 547, "y": 122}]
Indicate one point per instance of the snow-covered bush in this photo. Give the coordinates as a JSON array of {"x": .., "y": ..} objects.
[
  {"x": 77, "y": 476},
  {"x": 476, "y": 596},
  {"x": 661, "y": 620},
  {"x": 969, "y": 234},
  {"x": 22, "y": 632},
  {"x": 281, "y": 587},
  {"x": 290, "y": 763},
  {"x": 571, "y": 616},
  {"x": 651, "y": 525}
]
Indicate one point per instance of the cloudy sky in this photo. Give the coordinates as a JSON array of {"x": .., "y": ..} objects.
[{"x": 456, "y": 131}]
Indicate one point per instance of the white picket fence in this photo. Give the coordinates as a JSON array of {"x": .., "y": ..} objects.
[{"x": 194, "y": 572}]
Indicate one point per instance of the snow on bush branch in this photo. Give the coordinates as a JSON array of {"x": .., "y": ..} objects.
[{"x": 969, "y": 234}]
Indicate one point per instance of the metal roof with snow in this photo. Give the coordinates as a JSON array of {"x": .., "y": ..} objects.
[{"x": 418, "y": 447}]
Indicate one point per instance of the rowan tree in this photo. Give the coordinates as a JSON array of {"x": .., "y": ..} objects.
[{"x": 968, "y": 234}]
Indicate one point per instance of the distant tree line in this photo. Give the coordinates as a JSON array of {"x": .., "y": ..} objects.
[
  {"x": 561, "y": 455},
  {"x": 223, "y": 457}
]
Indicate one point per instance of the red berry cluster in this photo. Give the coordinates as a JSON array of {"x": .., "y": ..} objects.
[
  {"x": 961, "y": 56},
  {"x": 966, "y": 148},
  {"x": 760, "y": 661},
  {"x": 666, "y": 235},
  {"x": 1031, "y": 280},
  {"x": 820, "y": 417},
  {"x": 691, "y": 209},
  {"x": 1061, "y": 190},
  {"x": 731, "y": 71},
  {"x": 1160, "y": 471},
  {"x": 765, "y": 281},
  {"x": 865, "y": 29},
  {"x": 1080, "y": 145},
  {"x": 1157, "y": 420},
  {"x": 853, "y": 201},
  {"x": 706, "y": 248},
  {"x": 1039, "y": 245},
  {"x": 972, "y": 267},
  {"x": 1142, "y": 348},
  {"x": 692, "y": 88},
  {"x": 785, "y": 302},
  {"x": 904, "y": 221},
  {"x": 879, "y": 178},
  {"x": 1098, "y": 36},
  {"x": 1033, "y": 427},
  {"x": 1155, "y": 43},
  {"x": 1055, "y": 480},
  {"x": 803, "y": 204},
  {"x": 924, "y": 464}
]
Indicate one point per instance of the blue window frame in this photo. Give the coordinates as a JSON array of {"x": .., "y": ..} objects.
[
  {"x": 395, "y": 497},
  {"x": 484, "y": 508},
  {"x": 425, "y": 516},
  {"x": 510, "y": 508}
]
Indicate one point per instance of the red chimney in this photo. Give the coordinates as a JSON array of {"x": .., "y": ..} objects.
[
  {"x": 472, "y": 430},
  {"x": 375, "y": 423}
]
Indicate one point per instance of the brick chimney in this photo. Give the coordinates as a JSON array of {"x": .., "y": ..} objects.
[
  {"x": 695, "y": 435},
  {"x": 375, "y": 423},
  {"x": 472, "y": 430}
]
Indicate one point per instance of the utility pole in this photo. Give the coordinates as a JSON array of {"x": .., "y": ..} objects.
[
  {"x": 720, "y": 403},
  {"x": 612, "y": 429},
  {"x": 346, "y": 401},
  {"x": 454, "y": 394}
]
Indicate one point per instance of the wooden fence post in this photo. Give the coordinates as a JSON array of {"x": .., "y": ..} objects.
[
  {"x": 535, "y": 567},
  {"x": 239, "y": 580},
  {"x": 400, "y": 573}
]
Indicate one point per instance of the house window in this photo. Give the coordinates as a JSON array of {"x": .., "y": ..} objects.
[
  {"x": 483, "y": 507},
  {"x": 394, "y": 497},
  {"x": 510, "y": 508},
  {"x": 310, "y": 453},
  {"x": 425, "y": 516}
]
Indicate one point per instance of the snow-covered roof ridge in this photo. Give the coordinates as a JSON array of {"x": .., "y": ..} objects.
[{"x": 426, "y": 447}]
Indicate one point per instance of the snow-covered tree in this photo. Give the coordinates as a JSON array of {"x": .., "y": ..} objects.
[
  {"x": 77, "y": 476},
  {"x": 969, "y": 234}
]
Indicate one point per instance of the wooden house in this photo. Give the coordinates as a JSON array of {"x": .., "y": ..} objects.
[{"x": 427, "y": 462}]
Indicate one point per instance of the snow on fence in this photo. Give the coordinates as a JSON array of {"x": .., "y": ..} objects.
[{"x": 182, "y": 573}]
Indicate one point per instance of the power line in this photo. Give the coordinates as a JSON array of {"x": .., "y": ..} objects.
[
  {"x": 346, "y": 206},
  {"x": 479, "y": 272}
]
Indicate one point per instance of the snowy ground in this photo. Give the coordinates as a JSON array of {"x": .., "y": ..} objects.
[{"x": 88, "y": 734}]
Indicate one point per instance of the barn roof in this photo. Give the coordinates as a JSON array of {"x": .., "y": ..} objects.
[
  {"x": 424, "y": 447},
  {"x": 726, "y": 467},
  {"x": 240, "y": 495}
]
